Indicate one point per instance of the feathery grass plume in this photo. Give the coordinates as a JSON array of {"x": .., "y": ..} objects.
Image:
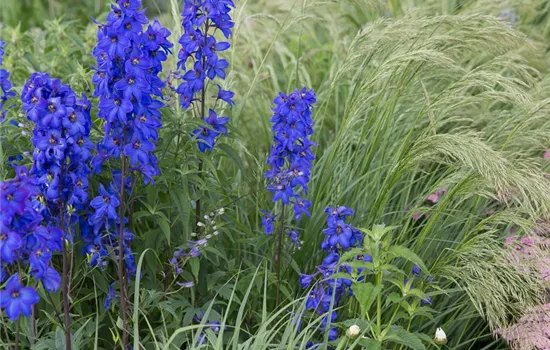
[{"x": 497, "y": 288}]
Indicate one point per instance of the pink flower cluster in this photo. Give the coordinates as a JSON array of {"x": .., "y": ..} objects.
[
  {"x": 532, "y": 251},
  {"x": 531, "y": 332}
]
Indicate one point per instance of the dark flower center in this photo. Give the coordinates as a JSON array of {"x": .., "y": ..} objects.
[
  {"x": 10, "y": 197},
  {"x": 143, "y": 119},
  {"x": 198, "y": 73},
  {"x": 135, "y": 61},
  {"x": 81, "y": 142},
  {"x": 79, "y": 183},
  {"x": 73, "y": 117},
  {"x": 15, "y": 294},
  {"x": 116, "y": 142},
  {"x": 339, "y": 229},
  {"x": 34, "y": 100},
  {"x": 117, "y": 102},
  {"x": 137, "y": 145},
  {"x": 39, "y": 253},
  {"x": 126, "y": 4},
  {"x": 51, "y": 107},
  {"x": 204, "y": 131},
  {"x": 128, "y": 25},
  {"x": 106, "y": 199},
  {"x": 53, "y": 140},
  {"x": 131, "y": 81},
  {"x": 114, "y": 39},
  {"x": 292, "y": 106},
  {"x": 151, "y": 36},
  {"x": 3, "y": 237}
]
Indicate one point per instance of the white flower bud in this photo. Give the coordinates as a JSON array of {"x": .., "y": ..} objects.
[
  {"x": 220, "y": 211},
  {"x": 216, "y": 233},
  {"x": 215, "y": 227},
  {"x": 208, "y": 236},
  {"x": 193, "y": 234},
  {"x": 212, "y": 214},
  {"x": 200, "y": 224},
  {"x": 353, "y": 331},
  {"x": 206, "y": 217},
  {"x": 440, "y": 336}
]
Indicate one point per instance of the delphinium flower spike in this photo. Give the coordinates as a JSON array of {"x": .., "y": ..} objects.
[
  {"x": 6, "y": 86},
  {"x": 327, "y": 290},
  {"x": 25, "y": 240},
  {"x": 290, "y": 162},
  {"x": 61, "y": 132},
  {"x": 129, "y": 55},
  {"x": 200, "y": 65}
]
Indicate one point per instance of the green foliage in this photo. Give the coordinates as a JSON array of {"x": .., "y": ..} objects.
[{"x": 412, "y": 97}]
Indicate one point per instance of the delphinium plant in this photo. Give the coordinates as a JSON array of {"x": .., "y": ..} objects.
[
  {"x": 62, "y": 125},
  {"x": 129, "y": 59},
  {"x": 201, "y": 66},
  {"x": 360, "y": 263},
  {"x": 290, "y": 161}
]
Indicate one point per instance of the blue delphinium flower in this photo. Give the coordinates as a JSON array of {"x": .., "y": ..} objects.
[
  {"x": 16, "y": 299},
  {"x": 111, "y": 294},
  {"x": 268, "y": 222},
  {"x": 129, "y": 55},
  {"x": 214, "y": 326},
  {"x": 6, "y": 86},
  {"x": 199, "y": 61},
  {"x": 341, "y": 237}
]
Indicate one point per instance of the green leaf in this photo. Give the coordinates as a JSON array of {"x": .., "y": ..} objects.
[
  {"x": 402, "y": 252},
  {"x": 401, "y": 336},
  {"x": 119, "y": 323},
  {"x": 59, "y": 338},
  {"x": 365, "y": 293},
  {"x": 195, "y": 265},
  {"x": 370, "y": 344},
  {"x": 352, "y": 253},
  {"x": 165, "y": 227}
]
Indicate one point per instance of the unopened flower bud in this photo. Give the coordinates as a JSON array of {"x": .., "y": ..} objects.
[
  {"x": 440, "y": 336},
  {"x": 200, "y": 224},
  {"x": 215, "y": 233},
  {"x": 208, "y": 236},
  {"x": 353, "y": 331}
]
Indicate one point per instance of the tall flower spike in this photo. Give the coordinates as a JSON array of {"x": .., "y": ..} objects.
[
  {"x": 291, "y": 156},
  {"x": 200, "y": 63},
  {"x": 6, "y": 87},
  {"x": 129, "y": 55},
  {"x": 61, "y": 140}
]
